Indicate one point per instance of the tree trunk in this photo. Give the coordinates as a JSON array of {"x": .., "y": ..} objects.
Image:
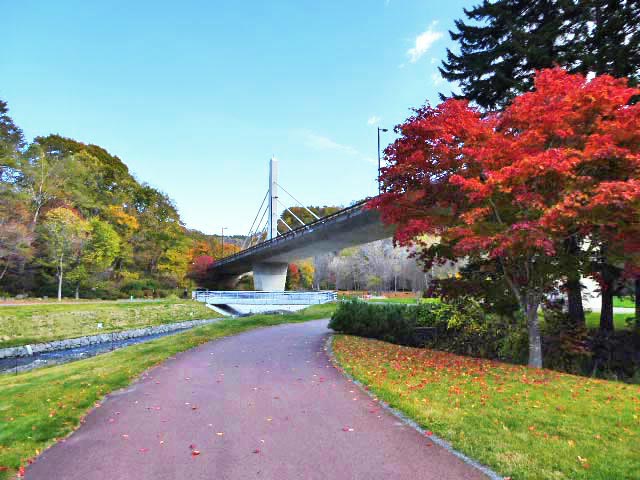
[
  {"x": 78, "y": 291},
  {"x": 574, "y": 302},
  {"x": 4, "y": 270},
  {"x": 607, "y": 288},
  {"x": 637, "y": 282},
  {"x": 60, "y": 280},
  {"x": 533, "y": 326},
  {"x": 574, "y": 290},
  {"x": 606, "y": 314}
]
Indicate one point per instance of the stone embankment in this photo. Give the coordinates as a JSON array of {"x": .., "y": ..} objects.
[{"x": 28, "y": 350}]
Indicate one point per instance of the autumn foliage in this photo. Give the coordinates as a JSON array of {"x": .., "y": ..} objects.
[{"x": 562, "y": 161}]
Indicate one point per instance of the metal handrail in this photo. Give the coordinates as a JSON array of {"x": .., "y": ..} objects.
[
  {"x": 292, "y": 233},
  {"x": 262, "y": 297}
]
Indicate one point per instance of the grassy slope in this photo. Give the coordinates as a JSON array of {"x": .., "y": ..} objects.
[
  {"x": 525, "y": 423},
  {"x": 40, "y": 406},
  {"x": 21, "y": 325}
]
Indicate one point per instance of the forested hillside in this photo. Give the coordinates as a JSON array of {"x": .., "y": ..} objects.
[{"x": 75, "y": 222}]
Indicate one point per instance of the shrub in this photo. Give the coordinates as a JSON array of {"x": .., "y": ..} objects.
[{"x": 388, "y": 322}]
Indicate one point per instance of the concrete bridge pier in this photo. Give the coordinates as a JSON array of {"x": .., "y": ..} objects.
[{"x": 270, "y": 276}]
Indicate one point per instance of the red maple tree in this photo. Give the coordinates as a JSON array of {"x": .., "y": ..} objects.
[{"x": 561, "y": 161}]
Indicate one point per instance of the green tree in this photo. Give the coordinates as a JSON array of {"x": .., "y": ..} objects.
[
  {"x": 64, "y": 235},
  {"x": 42, "y": 178},
  {"x": 99, "y": 252}
]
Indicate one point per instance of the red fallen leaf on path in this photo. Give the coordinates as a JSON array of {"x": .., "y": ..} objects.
[
  {"x": 143, "y": 450},
  {"x": 428, "y": 433},
  {"x": 347, "y": 429},
  {"x": 257, "y": 450},
  {"x": 195, "y": 453},
  {"x": 21, "y": 472}
]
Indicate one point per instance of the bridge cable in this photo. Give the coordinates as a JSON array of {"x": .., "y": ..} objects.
[
  {"x": 299, "y": 202},
  {"x": 285, "y": 224},
  {"x": 256, "y": 217},
  {"x": 262, "y": 232},
  {"x": 289, "y": 210},
  {"x": 258, "y": 233}
]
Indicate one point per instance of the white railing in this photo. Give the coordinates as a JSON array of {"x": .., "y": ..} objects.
[{"x": 217, "y": 297}]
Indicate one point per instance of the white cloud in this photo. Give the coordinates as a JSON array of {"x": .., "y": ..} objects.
[
  {"x": 320, "y": 142},
  {"x": 437, "y": 79},
  {"x": 373, "y": 120},
  {"x": 424, "y": 42}
]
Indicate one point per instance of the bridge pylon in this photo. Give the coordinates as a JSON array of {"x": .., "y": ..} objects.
[
  {"x": 272, "y": 229},
  {"x": 271, "y": 276}
]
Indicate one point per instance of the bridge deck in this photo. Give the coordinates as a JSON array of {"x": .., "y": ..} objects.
[{"x": 351, "y": 226}]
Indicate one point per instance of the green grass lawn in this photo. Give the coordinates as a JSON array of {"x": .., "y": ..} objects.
[
  {"x": 623, "y": 302},
  {"x": 40, "y": 406},
  {"x": 404, "y": 301},
  {"x": 524, "y": 423},
  {"x": 25, "y": 324},
  {"x": 619, "y": 320}
]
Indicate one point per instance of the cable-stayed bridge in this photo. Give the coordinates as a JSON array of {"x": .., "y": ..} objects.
[{"x": 267, "y": 252}]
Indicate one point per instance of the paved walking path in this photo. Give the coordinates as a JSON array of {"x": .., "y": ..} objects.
[{"x": 265, "y": 404}]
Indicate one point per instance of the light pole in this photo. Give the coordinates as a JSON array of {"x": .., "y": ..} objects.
[
  {"x": 379, "y": 185},
  {"x": 222, "y": 243}
]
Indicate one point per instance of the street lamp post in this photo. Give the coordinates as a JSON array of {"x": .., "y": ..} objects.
[
  {"x": 222, "y": 244},
  {"x": 379, "y": 184}
]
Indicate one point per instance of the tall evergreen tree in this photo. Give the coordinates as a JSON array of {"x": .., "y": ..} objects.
[
  {"x": 502, "y": 46},
  {"x": 503, "y": 42},
  {"x": 609, "y": 37},
  {"x": 11, "y": 142}
]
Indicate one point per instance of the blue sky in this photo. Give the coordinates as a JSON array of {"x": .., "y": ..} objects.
[{"x": 196, "y": 96}]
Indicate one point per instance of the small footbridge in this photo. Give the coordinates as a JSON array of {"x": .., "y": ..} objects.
[{"x": 243, "y": 302}]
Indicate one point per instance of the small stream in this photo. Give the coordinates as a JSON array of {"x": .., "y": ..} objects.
[{"x": 37, "y": 360}]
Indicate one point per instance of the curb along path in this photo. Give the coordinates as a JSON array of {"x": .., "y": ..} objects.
[{"x": 263, "y": 404}]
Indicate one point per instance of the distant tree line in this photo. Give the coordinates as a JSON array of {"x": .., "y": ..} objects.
[{"x": 74, "y": 221}]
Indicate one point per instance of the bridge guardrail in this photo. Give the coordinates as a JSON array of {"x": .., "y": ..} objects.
[
  {"x": 291, "y": 233},
  {"x": 220, "y": 297}
]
